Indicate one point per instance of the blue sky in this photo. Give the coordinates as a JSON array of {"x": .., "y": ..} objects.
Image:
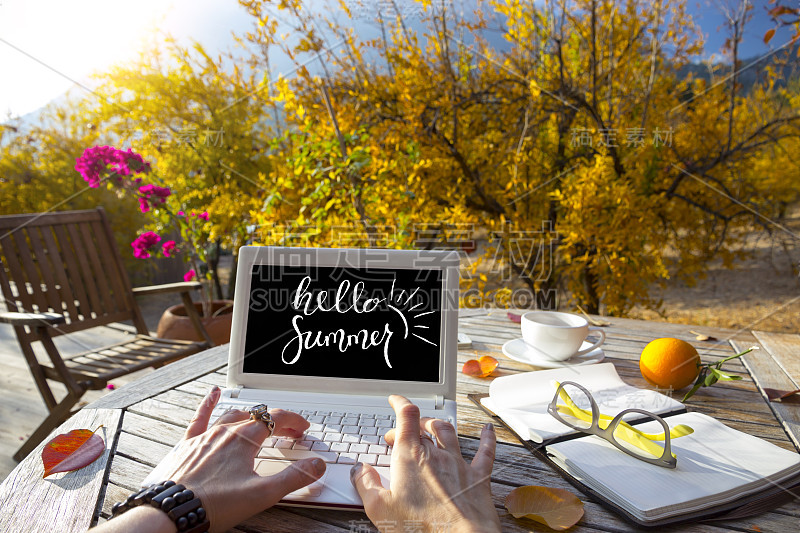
[{"x": 48, "y": 45}]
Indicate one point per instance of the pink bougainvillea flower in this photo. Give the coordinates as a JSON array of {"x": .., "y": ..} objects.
[
  {"x": 93, "y": 161},
  {"x": 189, "y": 276},
  {"x": 181, "y": 214},
  {"x": 97, "y": 160},
  {"x": 168, "y": 247},
  {"x": 149, "y": 190},
  {"x": 203, "y": 215},
  {"x": 111, "y": 386},
  {"x": 144, "y": 205},
  {"x": 143, "y": 243}
]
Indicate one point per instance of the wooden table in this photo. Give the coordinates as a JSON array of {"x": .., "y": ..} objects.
[{"x": 144, "y": 419}]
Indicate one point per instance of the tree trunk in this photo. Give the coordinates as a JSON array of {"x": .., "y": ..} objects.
[{"x": 590, "y": 286}]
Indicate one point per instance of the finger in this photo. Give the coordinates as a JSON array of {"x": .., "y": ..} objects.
[
  {"x": 287, "y": 424},
  {"x": 484, "y": 457},
  {"x": 367, "y": 482},
  {"x": 389, "y": 437},
  {"x": 407, "y": 431},
  {"x": 232, "y": 416},
  {"x": 445, "y": 433},
  {"x": 294, "y": 477},
  {"x": 199, "y": 422}
]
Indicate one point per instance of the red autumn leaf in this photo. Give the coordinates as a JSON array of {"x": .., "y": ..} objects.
[
  {"x": 480, "y": 367},
  {"x": 768, "y": 36},
  {"x": 71, "y": 451}
]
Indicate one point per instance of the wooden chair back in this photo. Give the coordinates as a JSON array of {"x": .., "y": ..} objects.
[{"x": 67, "y": 263}]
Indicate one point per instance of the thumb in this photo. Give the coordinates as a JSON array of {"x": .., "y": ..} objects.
[
  {"x": 367, "y": 482},
  {"x": 296, "y": 476}
]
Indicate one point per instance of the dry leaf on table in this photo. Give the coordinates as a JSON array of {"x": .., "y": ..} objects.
[
  {"x": 71, "y": 451},
  {"x": 777, "y": 395},
  {"x": 481, "y": 367},
  {"x": 556, "y": 508},
  {"x": 702, "y": 337}
]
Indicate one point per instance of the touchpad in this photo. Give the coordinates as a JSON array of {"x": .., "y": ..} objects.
[{"x": 270, "y": 467}]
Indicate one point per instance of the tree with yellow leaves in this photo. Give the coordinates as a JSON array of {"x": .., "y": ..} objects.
[{"x": 576, "y": 144}]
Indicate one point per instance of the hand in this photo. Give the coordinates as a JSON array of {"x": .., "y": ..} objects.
[
  {"x": 217, "y": 464},
  {"x": 430, "y": 483}
]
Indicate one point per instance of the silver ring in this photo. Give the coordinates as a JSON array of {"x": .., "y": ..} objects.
[
  {"x": 261, "y": 413},
  {"x": 429, "y": 437}
]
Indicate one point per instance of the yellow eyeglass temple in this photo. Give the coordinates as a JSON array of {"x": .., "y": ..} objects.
[{"x": 624, "y": 431}]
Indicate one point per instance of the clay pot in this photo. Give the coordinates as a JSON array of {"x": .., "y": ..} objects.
[{"x": 175, "y": 324}]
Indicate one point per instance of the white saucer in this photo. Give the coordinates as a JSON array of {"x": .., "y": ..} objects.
[{"x": 521, "y": 351}]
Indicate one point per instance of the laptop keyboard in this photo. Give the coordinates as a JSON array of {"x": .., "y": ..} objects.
[
  {"x": 336, "y": 437},
  {"x": 333, "y": 436}
]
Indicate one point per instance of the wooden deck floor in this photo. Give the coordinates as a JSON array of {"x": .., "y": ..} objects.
[{"x": 21, "y": 406}]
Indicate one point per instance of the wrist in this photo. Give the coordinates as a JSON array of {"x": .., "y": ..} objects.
[
  {"x": 144, "y": 518},
  {"x": 172, "y": 501}
]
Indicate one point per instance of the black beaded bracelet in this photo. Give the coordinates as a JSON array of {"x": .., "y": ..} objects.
[{"x": 176, "y": 500}]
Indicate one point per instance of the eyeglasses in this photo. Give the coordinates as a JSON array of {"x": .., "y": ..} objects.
[{"x": 622, "y": 435}]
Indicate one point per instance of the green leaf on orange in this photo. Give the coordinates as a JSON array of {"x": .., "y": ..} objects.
[
  {"x": 481, "y": 367},
  {"x": 558, "y": 509},
  {"x": 72, "y": 451}
]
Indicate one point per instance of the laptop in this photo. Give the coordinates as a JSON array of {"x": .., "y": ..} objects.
[{"x": 329, "y": 334}]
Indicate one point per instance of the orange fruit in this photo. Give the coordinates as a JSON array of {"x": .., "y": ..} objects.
[{"x": 669, "y": 363}]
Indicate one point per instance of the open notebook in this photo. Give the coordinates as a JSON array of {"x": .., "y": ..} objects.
[{"x": 721, "y": 472}]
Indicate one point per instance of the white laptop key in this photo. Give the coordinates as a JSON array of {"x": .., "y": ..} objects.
[
  {"x": 368, "y": 458},
  {"x": 359, "y": 448},
  {"x": 340, "y": 447},
  {"x": 333, "y": 437},
  {"x": 347, "y": 458}
]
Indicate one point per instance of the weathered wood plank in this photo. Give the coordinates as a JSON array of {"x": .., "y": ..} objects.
[
  {"x": 167, "y": 412},
  {"x": 785, "y": 350},
  {"x": 29, "y": 503},
  {"x": 152, "y": 429},
  {"x": 127, "y": 473},
  {"x": 166, "y": 378},
  {"x": 141, "y": 450},
  {"x": 768, "y": 374}
]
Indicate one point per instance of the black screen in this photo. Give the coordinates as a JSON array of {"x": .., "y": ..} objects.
[{"x": 344, "y": 322}]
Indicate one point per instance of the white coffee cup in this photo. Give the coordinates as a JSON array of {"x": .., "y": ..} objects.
[{"x": 558, "y": 336}]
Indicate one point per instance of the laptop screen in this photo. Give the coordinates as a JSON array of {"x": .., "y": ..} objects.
[{"x": 363, "y": 323}]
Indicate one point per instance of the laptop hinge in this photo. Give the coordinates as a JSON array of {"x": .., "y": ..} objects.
[
  {"x": 235, "y": 392},
  {"x": 439, "y": 402}
]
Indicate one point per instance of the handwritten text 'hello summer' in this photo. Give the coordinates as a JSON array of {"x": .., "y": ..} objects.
[{"x": 309, "y": 303}]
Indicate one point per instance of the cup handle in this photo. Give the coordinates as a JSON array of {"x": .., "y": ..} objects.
[{"x": 595, "y": 345}]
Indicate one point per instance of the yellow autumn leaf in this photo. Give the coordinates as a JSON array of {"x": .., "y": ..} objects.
[{"x": 558, "y": 509}]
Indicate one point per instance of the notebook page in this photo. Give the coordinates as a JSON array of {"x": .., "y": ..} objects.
[
  {"x": 521, "y": 399},
  {"x": 716, "y": 464}
]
